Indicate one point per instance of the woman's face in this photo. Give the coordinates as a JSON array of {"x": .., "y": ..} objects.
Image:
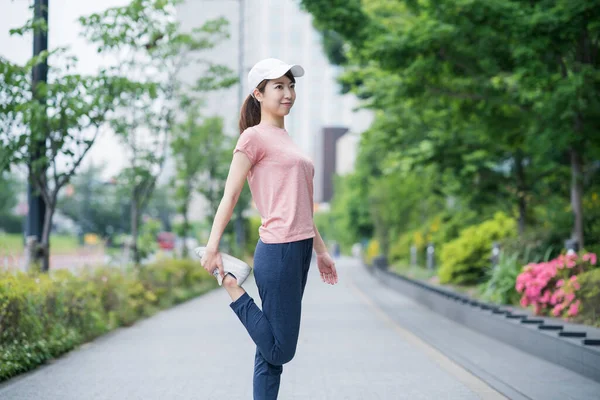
[{"x": 279, "y": 96}]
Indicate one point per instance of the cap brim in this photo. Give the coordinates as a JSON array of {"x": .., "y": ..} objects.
[{"x": 297, "y": 71}]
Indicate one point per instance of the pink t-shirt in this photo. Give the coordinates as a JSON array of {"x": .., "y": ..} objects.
[{"x": 281, "y": 182}]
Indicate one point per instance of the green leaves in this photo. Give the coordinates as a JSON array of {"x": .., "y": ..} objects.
[{"x": 492, "y": 95}]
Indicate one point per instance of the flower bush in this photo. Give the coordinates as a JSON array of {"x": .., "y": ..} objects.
[{"x": 551, "y": 287}]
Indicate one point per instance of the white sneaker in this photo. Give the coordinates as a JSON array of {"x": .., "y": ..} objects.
[{"x": 233, "y": 266}]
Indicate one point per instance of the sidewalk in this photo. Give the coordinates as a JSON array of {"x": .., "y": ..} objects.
[{"x": 350, "y": 348}]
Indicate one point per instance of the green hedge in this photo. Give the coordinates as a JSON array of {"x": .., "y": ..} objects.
[
  {"x": 42, "y": 316},
  {"x": 466, "y": 259}
]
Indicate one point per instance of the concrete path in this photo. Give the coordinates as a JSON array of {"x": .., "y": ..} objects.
[{"x": 352, "y": 346}]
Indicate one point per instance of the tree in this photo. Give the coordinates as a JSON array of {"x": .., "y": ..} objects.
[
  {"x": 496, "y": 92},
  {"x": 161, "y": 206},
  {"x": 10, "y": 186},
  {"x": 8, "y": 193},
  {"x": 150, "y": 45},
  {"x": 94, "y": 203},
  {"x": 67, "y": 113},
  {"x": 199, "y": 148}
]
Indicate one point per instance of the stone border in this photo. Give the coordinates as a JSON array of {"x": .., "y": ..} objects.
[{"x": 575, "y": 347}]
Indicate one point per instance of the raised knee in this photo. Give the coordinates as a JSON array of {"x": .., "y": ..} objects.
[
  {"x": 287, "y": 357},
  {"x": 282, "y": 357}
]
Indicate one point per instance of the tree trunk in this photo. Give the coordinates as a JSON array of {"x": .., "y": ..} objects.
[
  {"x": 44, "y": 247},
  {"x": 135, "y": 222},
  {"x": 521, "y": 191},
  {"x": 185, "y": 230},
  {"x": 576, "y": 195}
]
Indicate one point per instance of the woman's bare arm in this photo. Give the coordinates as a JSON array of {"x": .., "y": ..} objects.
[
  {"x": 238, "y": 171},
  {"x": 318, "y": 243},
  {"x": 325, "y": 263}
]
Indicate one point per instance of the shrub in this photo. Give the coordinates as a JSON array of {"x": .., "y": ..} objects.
[
  {"x": 373, "y": 251},
  {"x": 400, "y": 248},
  {"x": 589, "y": 294},
  {"x": 448, "y": 225},
  {"x": 551, "y": 287},
  {"x": 500, "y": 287},
  {"x": 43, "y": 316},
  {"x": 147, "y": 243},
  {"x": 439, "y": 230},
  {"x": 465, "y": 259}
]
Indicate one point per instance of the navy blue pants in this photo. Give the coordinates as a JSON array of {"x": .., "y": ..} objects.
[{"x": 280, "y": 271}]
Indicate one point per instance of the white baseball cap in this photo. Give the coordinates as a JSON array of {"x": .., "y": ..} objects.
[{"x": 271, "y": 68}]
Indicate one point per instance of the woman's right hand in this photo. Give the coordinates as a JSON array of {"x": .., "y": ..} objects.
[{"x": 212, "y": 260}]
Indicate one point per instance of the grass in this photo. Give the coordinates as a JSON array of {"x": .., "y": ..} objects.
[
  {"x": 13, "y": 244},
  {"x": 414, "y": 272}
]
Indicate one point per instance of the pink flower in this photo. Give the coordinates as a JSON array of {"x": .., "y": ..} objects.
[
  {"x": 556, "y": 310},
  {"x": 591, "y": 257},
  {"x": 519, "y": 286},
  {"x": 574, "y": 309},
  {"x": 533, "y": 291},
  {"x": 575, "y": 282},
  {"x": 524, "y": 302},
  {"x": 546, "y": 297},
  {"x": 560, "y": 283},
  {"x": 571, "y": 264},
  {"x": 570, "y": 297}
]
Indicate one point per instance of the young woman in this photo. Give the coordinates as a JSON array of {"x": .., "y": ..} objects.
[{"x": 281, "y": 182}]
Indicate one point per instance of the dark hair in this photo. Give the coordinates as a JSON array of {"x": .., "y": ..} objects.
[{"x": 250, "y": 112}]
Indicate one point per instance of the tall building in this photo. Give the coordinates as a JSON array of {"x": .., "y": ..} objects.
[
  {"x": 279, "y": 29},
  {"x": 328, "y": 157}
]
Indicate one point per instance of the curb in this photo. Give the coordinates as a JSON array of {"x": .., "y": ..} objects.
[{"x": 575, "y": 347}]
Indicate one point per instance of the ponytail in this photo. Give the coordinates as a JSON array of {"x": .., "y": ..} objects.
[{"x": 250, "y": 113}]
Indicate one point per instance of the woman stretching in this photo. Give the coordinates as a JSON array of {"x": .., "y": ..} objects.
[{"x": 281, "y": 182}]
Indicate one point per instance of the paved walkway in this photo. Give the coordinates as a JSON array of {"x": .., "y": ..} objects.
[{"x": 353, "y": 345}]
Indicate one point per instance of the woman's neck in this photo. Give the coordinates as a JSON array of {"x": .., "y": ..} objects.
[{"x": 274, "y": 121}]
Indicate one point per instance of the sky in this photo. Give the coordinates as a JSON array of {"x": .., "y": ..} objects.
[{"x": 64, "y": 30}]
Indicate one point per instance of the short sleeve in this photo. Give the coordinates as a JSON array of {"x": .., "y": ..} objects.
[{"x": 251, "y": 145}]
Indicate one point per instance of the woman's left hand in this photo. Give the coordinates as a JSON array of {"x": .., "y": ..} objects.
[{"x": 327, "y": 268}]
